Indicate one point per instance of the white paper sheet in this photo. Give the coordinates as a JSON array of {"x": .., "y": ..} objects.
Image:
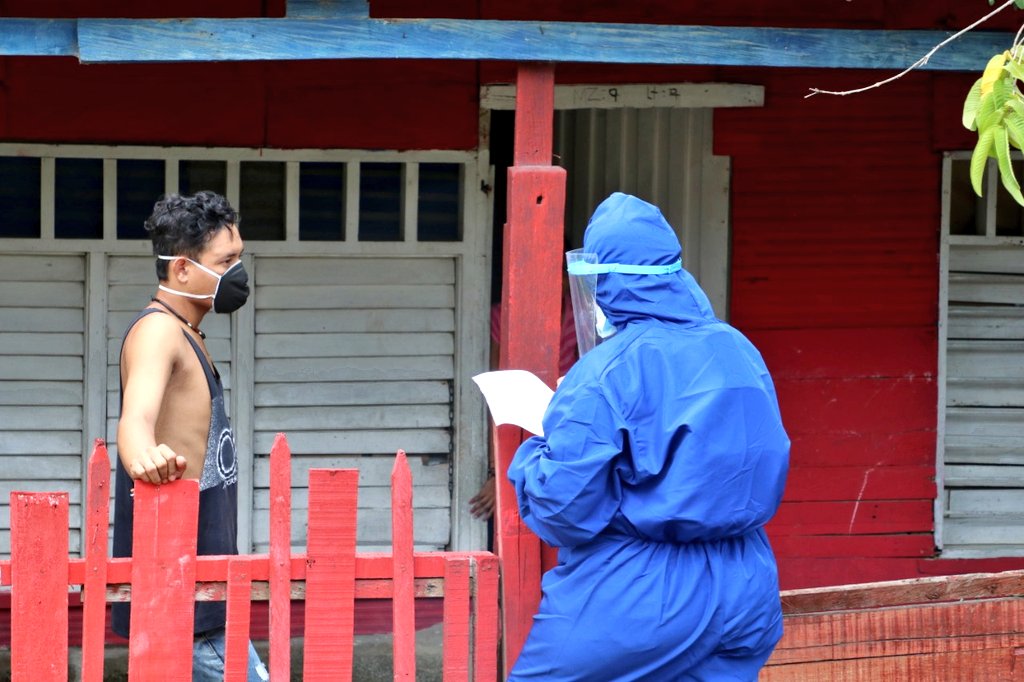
[{"x": 515, "y": 396}]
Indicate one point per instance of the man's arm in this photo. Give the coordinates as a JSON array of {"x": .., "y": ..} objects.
[{"x": 150, "y": 355}]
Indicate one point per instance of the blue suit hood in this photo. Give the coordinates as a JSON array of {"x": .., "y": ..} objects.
[{"x": 625, "y": 229}]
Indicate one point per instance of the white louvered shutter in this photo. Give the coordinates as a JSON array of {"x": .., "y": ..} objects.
[{"x": 354, "y": 359}]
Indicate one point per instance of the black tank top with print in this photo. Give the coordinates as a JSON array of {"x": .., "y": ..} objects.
[{"x": 218, "y": 497}]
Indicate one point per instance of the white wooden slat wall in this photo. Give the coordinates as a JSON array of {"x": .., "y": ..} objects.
[
  {"x": 354, "y": 359},
  {"x": 984, "y": 454},
  {"x": 664, "y": 156},
  {"x": 42, "y": 324}
]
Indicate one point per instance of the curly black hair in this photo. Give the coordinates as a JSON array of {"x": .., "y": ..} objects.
[{"x": 181, "y": 225}]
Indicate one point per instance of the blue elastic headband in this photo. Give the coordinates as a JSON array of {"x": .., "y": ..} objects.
[{"x": 583, "y": 268}]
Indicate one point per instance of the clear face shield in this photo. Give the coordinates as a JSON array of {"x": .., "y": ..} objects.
[
  {"x": 592, "y": 326},
  {"x": 583, "y": 291}
]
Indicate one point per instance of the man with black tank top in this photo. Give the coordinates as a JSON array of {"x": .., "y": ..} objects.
[{"x": 173, "y": 420}]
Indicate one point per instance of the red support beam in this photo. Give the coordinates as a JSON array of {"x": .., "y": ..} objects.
[
  {"x": 530, "y": 325},
  {"x": 535, "y": 115}
]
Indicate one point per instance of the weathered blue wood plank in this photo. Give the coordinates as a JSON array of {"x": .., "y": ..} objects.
[
  {"x": 38, "y": 37},
  {"x": 171, "y": 40},
  {"x": 338, "y": 9}
]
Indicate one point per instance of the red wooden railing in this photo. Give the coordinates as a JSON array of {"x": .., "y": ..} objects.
[{"x": 164, "y": 577}]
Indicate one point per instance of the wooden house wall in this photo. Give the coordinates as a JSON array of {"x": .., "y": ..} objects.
[
  {"x": 835, "y": 222},
  {"x": 835, "y": 278}
]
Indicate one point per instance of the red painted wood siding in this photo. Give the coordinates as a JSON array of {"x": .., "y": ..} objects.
[
  {"x": 835, "y": 219},
  {"x": 351, "y": 104},
  {"x": 835, "y": 278}
]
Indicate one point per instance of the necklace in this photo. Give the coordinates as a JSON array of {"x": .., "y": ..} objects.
[{"x": 178, "y": 315}]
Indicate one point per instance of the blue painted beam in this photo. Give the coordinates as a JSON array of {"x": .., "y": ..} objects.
[
  {"x": 38, "y": 37},
  {"x": 190, "y": 40},
  {"x": 118, "y": 40}
]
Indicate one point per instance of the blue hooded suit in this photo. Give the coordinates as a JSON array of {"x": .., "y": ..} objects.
[{"x": 664, "y": 456}]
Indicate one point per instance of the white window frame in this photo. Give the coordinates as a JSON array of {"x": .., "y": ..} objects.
[
  {"x": 712, "y": 258},
  {"x": 471, "y": 255},
  {"x": 989, "y": 198}
]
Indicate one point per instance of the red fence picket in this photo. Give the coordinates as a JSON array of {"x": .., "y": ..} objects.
[
  {"x": 280, "y": 558},
  {"x": 94, "y": 591},
  {"x": 456, "y": 619},
  {"x": 163, "y": 581},
  {"x": 236, "y": 630},
  {"x": 330, "y": 575},
  {"x": 485, "y": 619},
  {"x": 164, "y": 577},
  {"x": 403, "y": 603},
  {"x": 39, "y": 615}
]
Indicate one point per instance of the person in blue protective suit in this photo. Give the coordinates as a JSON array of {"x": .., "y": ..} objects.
[{"x": 662, "y": 459}]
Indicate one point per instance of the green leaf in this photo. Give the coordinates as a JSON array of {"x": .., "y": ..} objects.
[
  {"x": 1016, "y": 104},
  {"x": 993, "y": 72},
  {"x": 987, "y": 112},
  {"x": 1002, "y": 89},
  {"x": 971, "y": 106},
  {"x": 1015, "y": 69},
  {"x": 980, "y": 157},
  {"x": 1002, "y": 145},
  {"x": 1014, "y": 124}
]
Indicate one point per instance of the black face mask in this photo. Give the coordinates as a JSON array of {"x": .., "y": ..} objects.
[{"x": 232, "y": 287}]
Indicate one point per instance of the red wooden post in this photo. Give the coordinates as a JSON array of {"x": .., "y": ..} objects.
[
  {"x": 239, "y": 610},
  {"x": 485, "y": 616},
  {"x": 403, "y": 601},
  {"x": 163, "y": 581},
  {"x": 330, "y": 574},
  {"x": 39, "y": 586},
  {"x": 530, "y": 324},
  {"x": 535, "y": 114},
  {"x": 94, "y": 595},
  {"x": 280, "y": 558},
  {"x": 455, "y": 649}
]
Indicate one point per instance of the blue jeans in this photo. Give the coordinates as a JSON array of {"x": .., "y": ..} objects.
[{"x": 208, "y": 659}]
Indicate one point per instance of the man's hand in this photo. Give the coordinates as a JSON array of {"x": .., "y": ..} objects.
[
  {"x": 482, "y": 504},
  {"x": 157, "y": 464}
]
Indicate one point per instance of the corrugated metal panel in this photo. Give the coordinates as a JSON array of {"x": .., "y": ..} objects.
[
  {"x": 662, "y": 155},
  {"x": 354, "y": 360},
  {"x": 42, "y": 324},
  {"x": 983, "y": 458}
]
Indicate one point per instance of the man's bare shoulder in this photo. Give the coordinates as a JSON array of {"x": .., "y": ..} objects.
[{"x": 155, "y": 337}]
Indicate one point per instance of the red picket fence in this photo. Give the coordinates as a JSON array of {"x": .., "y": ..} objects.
[{"x": 164, "y": 577}]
